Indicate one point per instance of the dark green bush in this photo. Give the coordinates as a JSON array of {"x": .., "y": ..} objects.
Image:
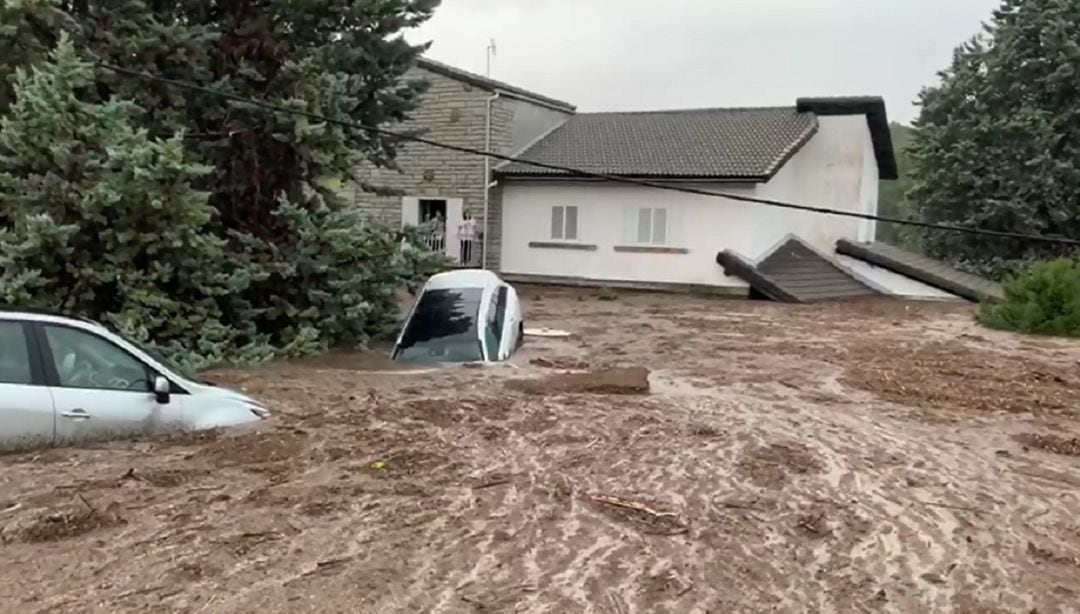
[
  {"x": 1044, "y": 300},
  {"x": 607, "y": 294}
]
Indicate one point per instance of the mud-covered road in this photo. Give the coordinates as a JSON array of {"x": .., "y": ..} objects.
[{"x": 878, "y": 457}]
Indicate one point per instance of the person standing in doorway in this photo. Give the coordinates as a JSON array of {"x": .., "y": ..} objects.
[
  {"x": 467, "y": 234},
  {"x": 440, "y": 232}
]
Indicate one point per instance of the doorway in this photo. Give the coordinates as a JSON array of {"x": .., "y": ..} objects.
[
  {"x": 442, "y": 217},
  {"x": 433, "y": 214},
  {"x": 432, "y": 209}
]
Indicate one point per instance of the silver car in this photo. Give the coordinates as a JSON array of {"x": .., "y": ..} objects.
[
  {"x": 462, "y": 316},
  {"x": 64, "y": 379}
]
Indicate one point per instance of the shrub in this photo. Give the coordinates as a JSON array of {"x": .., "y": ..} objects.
[
  {"x": 1044, "y": 300},
  {"x": 607, "y": 294}
]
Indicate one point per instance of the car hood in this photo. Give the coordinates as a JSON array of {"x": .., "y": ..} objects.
[{"x": 221, "y": 393}]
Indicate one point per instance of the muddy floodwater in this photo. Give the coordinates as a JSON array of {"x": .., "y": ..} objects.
[{"x": 674, "y": 454}]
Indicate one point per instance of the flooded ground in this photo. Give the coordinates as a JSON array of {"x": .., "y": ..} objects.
[{"x": 673, "y": 455}]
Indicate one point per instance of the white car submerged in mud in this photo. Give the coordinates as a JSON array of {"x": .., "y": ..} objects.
[
  {"x": 67, "y": 379},
  {"x": 462, "y": 316}
]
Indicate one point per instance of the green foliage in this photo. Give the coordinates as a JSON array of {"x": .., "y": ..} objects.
[
  {"x": 607, "y": 294},
  {"x": 997, "y": 144},
  {"x": 103, "y": 219},
  {"x": 206, "y": 225},
  {"x": 337, "y": 58},
  {"x": 18, "y": 44},
  {"x": 1044, "y": 300},
  {"x": 336, "y": 282}
]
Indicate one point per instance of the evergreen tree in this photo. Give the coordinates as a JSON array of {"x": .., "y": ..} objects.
[
  {"x": 892, "y": 195},
  {"x": 997, "y": 143},
  {"x": 19, "y": 45},
  {"x": 104, "y": 219},
  {"x": 301, "y": 271}
]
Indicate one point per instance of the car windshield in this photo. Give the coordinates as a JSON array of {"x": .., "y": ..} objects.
[{"x": 443, "y": 328}]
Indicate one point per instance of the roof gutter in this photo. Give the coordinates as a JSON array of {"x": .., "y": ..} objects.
[{"x": 672, "y": 179}]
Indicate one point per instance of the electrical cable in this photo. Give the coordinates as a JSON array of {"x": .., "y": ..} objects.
[{"x": 579, "y": 173}]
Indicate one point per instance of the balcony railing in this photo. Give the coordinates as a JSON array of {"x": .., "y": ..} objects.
[{"x": 465, "y": 254}]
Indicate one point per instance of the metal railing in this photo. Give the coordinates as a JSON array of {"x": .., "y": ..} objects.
[
  {"x": 436, "y": 241},
  {"x": 470, "y": 251}
]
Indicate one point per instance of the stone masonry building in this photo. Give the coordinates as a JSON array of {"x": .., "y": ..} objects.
[{"x": 434, "y": 181}]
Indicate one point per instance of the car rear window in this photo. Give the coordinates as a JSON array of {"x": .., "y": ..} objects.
[{"x": 447, "y": 318}]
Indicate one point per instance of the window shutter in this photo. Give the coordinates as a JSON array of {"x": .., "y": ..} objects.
[
  {"x": 644, "y": 225},
  {"x": 556, "y": 222},
  {"x": 629, "y": 235},
  {"x": 675, "y": 226},
  {"x": 571, "y": 232},
  {"x": 410, "y": 211},
  {"x": 660, "y": 226}
]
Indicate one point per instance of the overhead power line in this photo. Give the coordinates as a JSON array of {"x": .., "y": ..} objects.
[{"x": 580, "y": 173}]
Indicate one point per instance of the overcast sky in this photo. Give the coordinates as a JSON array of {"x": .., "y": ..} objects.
[{"x": 609, "y": 55}]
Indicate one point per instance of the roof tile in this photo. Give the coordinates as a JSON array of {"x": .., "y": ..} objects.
[{"x": 746, "y": 143}]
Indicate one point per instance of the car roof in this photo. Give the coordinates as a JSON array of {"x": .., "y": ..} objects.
[
  {"x": 469, "y": 278},
  {"x": 43, "y": 315}
]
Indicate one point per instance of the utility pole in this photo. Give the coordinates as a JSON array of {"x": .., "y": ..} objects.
[{"x": 490, "y": 54}]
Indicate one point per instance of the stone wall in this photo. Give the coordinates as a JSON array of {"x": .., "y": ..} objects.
[{"x": 452, "y": 112}]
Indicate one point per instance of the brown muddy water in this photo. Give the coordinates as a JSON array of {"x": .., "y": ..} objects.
[{"x": 674, "y": 454}]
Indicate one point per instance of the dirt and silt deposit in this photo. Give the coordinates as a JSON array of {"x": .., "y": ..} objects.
[{"x": 724, "y": 456}]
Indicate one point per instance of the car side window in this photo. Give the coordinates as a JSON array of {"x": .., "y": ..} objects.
[
  {"x": 85, "y": 360},
  {"x": 14, "y": 355}
]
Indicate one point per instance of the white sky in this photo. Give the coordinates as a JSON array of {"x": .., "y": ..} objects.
[{"x": 608, "y": 55}]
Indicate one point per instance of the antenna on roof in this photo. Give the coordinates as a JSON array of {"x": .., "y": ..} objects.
[{"x": 490, "y": 54}]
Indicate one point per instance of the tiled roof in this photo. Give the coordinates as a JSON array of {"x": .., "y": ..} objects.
[
  {"x": 492, "y": 85},
  {"x": 738, "y": 144}
]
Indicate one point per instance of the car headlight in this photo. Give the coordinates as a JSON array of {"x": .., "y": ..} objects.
[{"x": 259, "y": 411}]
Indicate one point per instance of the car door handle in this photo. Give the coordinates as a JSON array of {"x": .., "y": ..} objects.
[{"x": 76, "y": 414}]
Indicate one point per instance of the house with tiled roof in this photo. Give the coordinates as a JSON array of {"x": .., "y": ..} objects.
[
  {"x": 826, "y": 152},
  {"x": 555, "y": 222}
]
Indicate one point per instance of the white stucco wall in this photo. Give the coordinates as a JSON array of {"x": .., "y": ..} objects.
[
  {"x": 705, "y": 224},
  {"x": 869, "y": 188},
  {"x": 531, "y": 121},
  {"x": 828, "y": 171}
]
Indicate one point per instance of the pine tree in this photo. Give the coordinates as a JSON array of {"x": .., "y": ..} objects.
[
  {"x": 997, "y": 144},
  {"x": 343, "y": 59},
  {"x": 301, "y": 271},
  {"x": 19, "y": 45},
  {"x": 104, "y": 219}
]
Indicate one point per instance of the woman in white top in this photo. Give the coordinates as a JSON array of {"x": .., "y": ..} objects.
[{"x": 467, "y": 236}]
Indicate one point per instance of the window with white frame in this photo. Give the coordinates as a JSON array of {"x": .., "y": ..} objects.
[
  {"x": 652, "y": 226},
  {"x": 564, "y": 223}
]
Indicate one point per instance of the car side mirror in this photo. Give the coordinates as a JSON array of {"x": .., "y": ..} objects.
[{"x": 162, "y": 390}]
